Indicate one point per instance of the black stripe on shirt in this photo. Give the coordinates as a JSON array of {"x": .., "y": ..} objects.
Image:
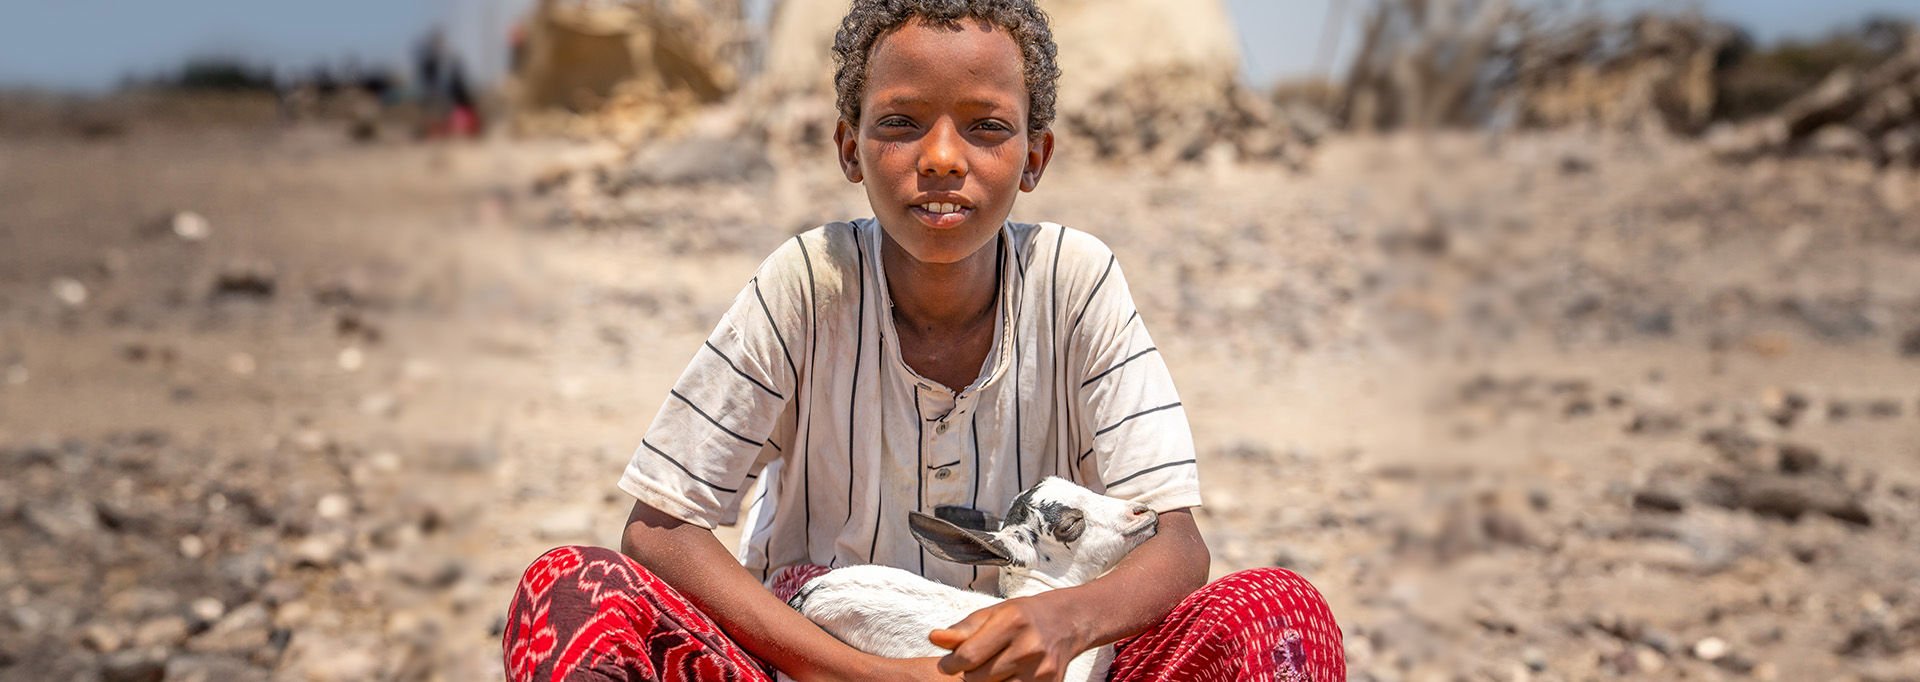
[
  {"x": 943, "y": 466},
  {"x": 766, "y": 560},
  {"x": 813, "y": 348},
  {"x": 1096, "y": 290},
  {"x": 736, "y": 370},
  {"x": 974, "y": 502},
  {"x": 716, "y": 423},
  {"x": 1059, "y": 363},
  {"x": 1019, "y": 260},
  {"x": 784, "y": 351},
  {"x": 919, "y": 455},
  {"x": 859, "y": 340},
  {"x": 683, "y": 468},
  {"x": 1118, "y": 365},
  {"x": 1148, "y": 470},
  {"x": 1131, "y": 417}
]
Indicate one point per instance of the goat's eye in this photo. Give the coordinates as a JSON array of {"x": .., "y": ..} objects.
[{"x": 1071, "y": 524}]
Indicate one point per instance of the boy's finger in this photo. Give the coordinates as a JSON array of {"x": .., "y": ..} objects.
[
  {"x": 952, "y": 635},
  {"x": 946, "y": 638},
  {"x": 978, "y": 648}
]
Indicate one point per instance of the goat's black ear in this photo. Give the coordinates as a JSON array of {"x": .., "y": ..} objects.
[
  {"x": 967, "y": 517},
  {"x": 1071, "y": 524},
  {"x": 960, "y": 545}
]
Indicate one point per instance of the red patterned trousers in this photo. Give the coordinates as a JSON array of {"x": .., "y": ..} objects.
[{"x": 590, "y": 613}]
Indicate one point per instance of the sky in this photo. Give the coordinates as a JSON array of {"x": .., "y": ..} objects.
[{"x": 91, "y": 45}]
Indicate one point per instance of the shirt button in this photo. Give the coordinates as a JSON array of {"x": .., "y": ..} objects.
[
  {"x": 944, "y": 473},
  {"x": 940, "y": 428}
]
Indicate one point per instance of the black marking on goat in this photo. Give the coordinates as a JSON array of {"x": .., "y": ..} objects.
[
  {"x": 1017, "y": 512},
  {"x": 1021, "y": 513},
  {"x": 799, "y": 600}
]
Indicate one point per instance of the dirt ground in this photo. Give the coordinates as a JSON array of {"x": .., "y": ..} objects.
[{"x": 1550, "y": 407}]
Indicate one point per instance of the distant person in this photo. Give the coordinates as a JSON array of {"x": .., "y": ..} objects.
[
  {"x": 934, "y": 354},
  {"x": 447, "y": 100}
]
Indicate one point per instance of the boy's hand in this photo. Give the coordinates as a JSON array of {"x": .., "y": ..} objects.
[{"x": 1030, "y": 638}]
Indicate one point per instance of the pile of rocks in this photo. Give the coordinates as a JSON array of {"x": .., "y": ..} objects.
[{"x": 1872, "y": 115}]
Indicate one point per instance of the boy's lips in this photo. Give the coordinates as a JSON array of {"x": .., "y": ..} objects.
[{"x": 942, "y": 219}]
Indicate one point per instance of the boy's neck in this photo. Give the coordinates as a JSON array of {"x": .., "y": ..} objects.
[{"x": 941, "y": 297}]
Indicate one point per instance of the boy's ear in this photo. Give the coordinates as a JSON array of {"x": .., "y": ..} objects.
[
  {"x": 956, "y": 544},
  {"x": 1039, "y": 154},
  {"x": 846, "y": 141}
]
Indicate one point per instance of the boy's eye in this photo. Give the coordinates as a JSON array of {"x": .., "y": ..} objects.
[
  {"x": 895, "y": 122},
  {"x": 995, "y": 126}
]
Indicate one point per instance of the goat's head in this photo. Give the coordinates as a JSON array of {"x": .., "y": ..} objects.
[{"x": 1056, "y": 534}]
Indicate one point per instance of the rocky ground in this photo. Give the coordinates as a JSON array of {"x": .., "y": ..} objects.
[{"x": 1547, "y": 407}]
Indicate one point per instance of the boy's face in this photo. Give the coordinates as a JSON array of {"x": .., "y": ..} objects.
[{"x": 942, "y": 141}]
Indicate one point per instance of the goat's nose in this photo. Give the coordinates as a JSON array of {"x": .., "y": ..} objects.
[{"x": 1138, "y": 509}]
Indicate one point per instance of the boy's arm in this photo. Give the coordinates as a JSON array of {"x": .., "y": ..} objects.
[
  {"x": 1034, "y": 637},
  {"x": 690, "y": 559}
]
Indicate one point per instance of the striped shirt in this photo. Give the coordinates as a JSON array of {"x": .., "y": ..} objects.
[{"x": 800, "y": 403}]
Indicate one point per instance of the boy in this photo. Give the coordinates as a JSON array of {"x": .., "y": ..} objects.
[{"x": 933, "y": 354}]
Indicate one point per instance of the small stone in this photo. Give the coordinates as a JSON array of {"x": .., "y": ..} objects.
[
  {"x": 140, "y": 601},
  {"x": 333, "y": 506},
  {"x": 1658, "y": 500},
  {"x": 104, "y": 638},
  {"x": 70, "y": 519},
  {"x": 206, "y": 609},
  {"x": 1796, "y": 459},
  {"x": 191, "y": 226},
  {"x": 351, "y": 359},
  {"x": 1535, "y": 659},
  {"x": 1783, "y": 406},
  {"x": 386, "y": 461},
  {"x": 1883, "y": 408},
  {"x": 134, "y": 666},
  {"x": 1710, "y": 649},
  {"x": 165, "y": 632},
  {"x": 245, "y": 279},
  {"x": 1656, "y": 422},
  {"x": 1648, "y": 660},
  {"x": 320, "y": 551},
  {"x": 69, "y": 292},
  {"x": 310, "y": 441},
  {"x": 243, "y": 631},
  {"x": 242, "y": 364},
  {"x": 192, "y": 547},
  {"x": 380, "y": 404},
  {"x": 212, "y": 669},
  {"x": 28, "y": 619}
]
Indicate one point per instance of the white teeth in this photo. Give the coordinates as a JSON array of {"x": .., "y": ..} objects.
[{"x": 939, "y": 207}]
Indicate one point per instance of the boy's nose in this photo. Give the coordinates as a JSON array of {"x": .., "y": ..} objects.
[{"x": 941, "y": 152}]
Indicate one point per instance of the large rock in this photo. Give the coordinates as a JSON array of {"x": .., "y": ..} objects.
[{"x": 1103, "y": 43}]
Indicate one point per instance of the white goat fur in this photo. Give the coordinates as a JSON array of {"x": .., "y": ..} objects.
[{"x": 1056, "y": 534}]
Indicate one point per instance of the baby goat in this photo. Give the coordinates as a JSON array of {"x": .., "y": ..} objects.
[{"x": 1056, "y": 534}]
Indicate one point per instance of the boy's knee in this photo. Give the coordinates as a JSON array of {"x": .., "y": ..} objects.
[
  {"x": 559, "y": 562},
  {"x": 1256, "y": 582}
]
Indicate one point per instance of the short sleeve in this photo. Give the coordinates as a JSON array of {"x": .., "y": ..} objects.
[
  {"x": 1142, "y": 445},
  {"x": 724, "y": 418}
]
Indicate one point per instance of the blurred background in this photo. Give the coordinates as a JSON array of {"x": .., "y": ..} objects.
[{"x": 1552, "y": 341}]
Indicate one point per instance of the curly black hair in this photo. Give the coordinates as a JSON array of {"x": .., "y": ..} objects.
[{"x": 868, "y": 20}]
